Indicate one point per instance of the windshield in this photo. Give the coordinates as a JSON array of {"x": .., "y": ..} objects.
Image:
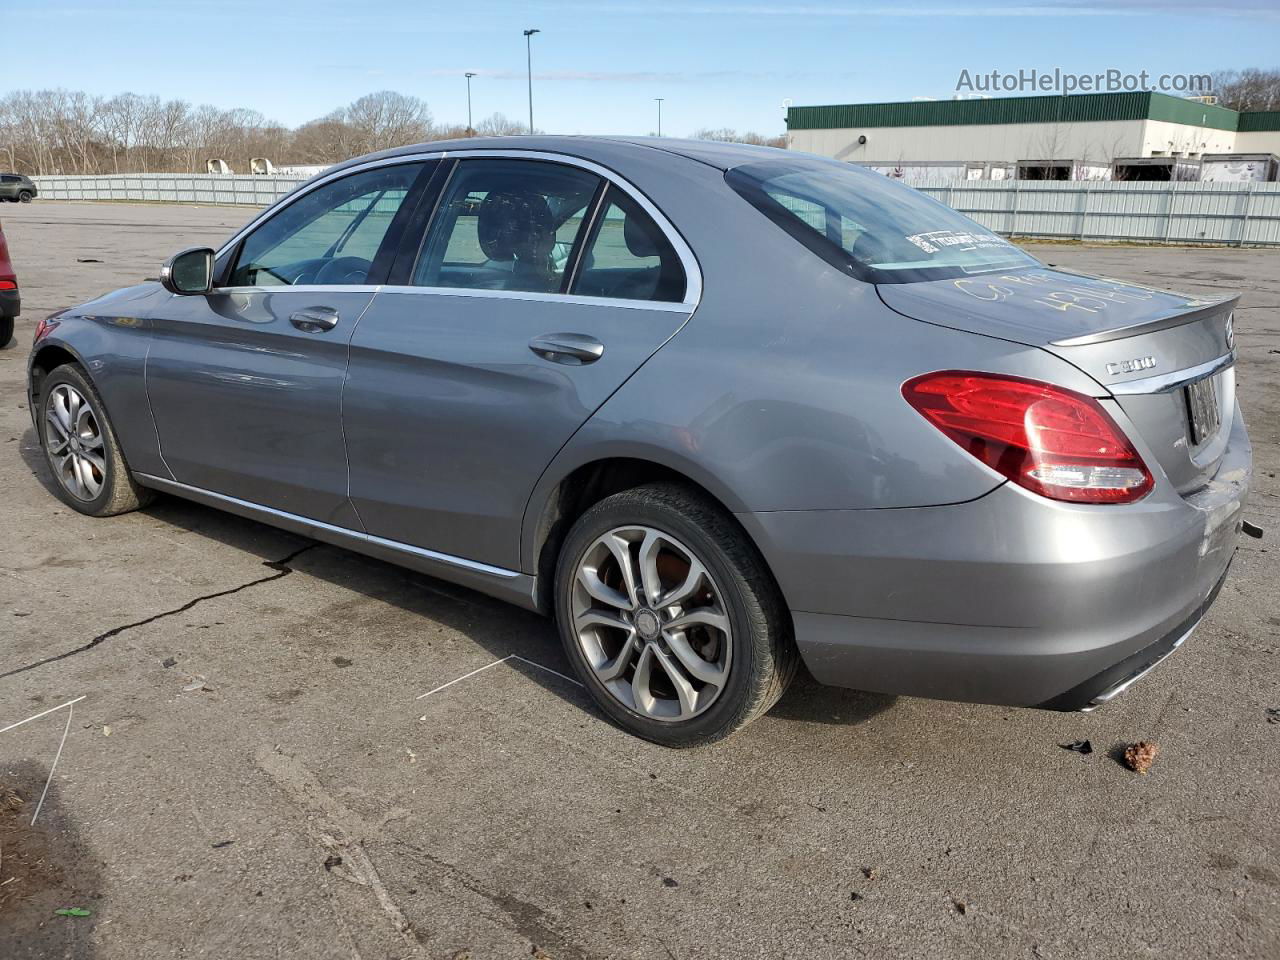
[{"x": 868, "y": 225}]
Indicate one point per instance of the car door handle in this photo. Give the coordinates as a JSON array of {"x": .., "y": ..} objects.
[
  {"x": 573, "y": 349},
  {"x": 315, "y": 319}
]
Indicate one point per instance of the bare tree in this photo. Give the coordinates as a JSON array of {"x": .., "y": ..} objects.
[
  {"x": 727, "y": 135},
  {"x": 1252, "y": 89},
  {"x": 497, "y": 125}
]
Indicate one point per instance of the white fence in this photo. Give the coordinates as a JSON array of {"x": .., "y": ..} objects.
[
  {"x": 169, "y": 188},
  {"x": 1151, "y": 212}
]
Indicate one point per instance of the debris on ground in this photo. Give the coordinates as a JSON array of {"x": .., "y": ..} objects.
[
  {"x": 73, "y": 912},
  {"x": 1273, "y": 714},
  {"x": 670, "y": 882},
  {"x": 539, "y": 954},
  {"x": 871, "y": 873},
  {"x": 168, "y": 662},
  {"x": 196, "y": 682},
  {"x": 106, "y": 730},
  {"x": 463, "y": 954},
  {"x": 87, "y": 260},
  {"x": 855, "y": 896},
  {"x": 331, "y": 861},
  {"x": 1139, "y": 756},
  {"x": 1079, "y": 746},
  {"x": 342, "y": 661},
  {"x": 961, "y": 907},
  {"x": 221, "y": 843}
]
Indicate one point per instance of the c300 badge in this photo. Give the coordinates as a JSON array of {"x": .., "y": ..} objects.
[{"x": 1130, "y": 366}]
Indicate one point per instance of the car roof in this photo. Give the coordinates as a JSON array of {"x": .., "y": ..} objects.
[{"x": 721, "y": 155}]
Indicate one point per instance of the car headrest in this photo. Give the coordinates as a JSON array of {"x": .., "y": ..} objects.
[
  {"x": 515, "y": 225},
  {"x": 639, "y": 239}
]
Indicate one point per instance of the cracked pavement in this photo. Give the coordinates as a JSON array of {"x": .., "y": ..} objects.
[{"x": 503, "y": 814}]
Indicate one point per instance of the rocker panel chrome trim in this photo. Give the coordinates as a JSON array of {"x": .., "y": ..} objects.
[{"x": 356, "y": 537}]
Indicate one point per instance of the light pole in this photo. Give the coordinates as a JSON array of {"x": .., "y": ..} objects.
[
  {"x": 469, "y": 127},
  {"x": 659, "y": 100},
  {"x": 528, "y": 52}
]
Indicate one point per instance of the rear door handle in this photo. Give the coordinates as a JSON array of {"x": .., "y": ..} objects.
[
  {"x": 573, "y": 349},
  {"x": 315, "y": 319}
]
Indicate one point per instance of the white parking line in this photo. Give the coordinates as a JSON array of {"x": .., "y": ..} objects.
[
  {"x": 510, "y": 656},
  {"x": 70, "y": 706}
]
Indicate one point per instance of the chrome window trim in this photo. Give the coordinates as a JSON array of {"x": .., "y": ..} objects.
[
  {"x": 1168, "y": 382},
  {"x": 301, "y": 288},
  {"x": 692, "y": 271},
  {"x": 666, "y": 306},
  {"x": 356, "y": 536}
]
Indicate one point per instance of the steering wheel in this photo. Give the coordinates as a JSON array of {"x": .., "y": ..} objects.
[{"x": 343, "y": 271}]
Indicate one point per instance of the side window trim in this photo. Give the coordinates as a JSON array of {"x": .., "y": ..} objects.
[
  {"x": 418, "y": 226},
  {"x": 688, "y": 259},
  {"x": 585, "y": 235}
]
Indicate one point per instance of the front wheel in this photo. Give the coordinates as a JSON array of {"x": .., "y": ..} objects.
[
  {"x": 81, "y": 448},
  {"x": 670, "y": 616},
  {"x": 26, "y": 196}
]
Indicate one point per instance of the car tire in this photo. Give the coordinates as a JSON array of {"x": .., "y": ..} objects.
[
  {"x": 89, "y": 470},
  {"x": 25, "y": 196},
  {"x": 6, "y": 331},
  {"x": 751, "y": 657}
]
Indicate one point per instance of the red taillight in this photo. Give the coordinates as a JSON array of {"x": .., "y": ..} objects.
[
  {"x": 1055, "y": 442},
  {"x": 8, "y": 284},
  {"x": 46, "y": 326}
]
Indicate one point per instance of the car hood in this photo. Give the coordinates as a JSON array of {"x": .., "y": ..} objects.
[{"x": 136, "y": 301}]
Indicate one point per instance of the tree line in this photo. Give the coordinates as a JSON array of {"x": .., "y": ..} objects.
[{"x": 73, "y": 132}]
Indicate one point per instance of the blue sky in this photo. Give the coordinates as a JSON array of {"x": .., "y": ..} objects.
[{"x": 598, "y": 66}]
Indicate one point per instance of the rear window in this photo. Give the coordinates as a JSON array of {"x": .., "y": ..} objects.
[{"x": 868, "y": 225}]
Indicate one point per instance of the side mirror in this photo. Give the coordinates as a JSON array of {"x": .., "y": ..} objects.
[{"x": 188, "y": 272}]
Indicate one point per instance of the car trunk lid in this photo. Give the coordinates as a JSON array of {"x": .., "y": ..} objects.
[{"x": 1166, "y": 358}]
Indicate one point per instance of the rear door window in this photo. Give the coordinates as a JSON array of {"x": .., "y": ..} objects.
[
  {"x": 628, "y": 256},
  {"x": 506, "y": 225}
]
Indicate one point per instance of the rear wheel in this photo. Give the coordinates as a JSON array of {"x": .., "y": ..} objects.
[
  {"x": 81, "y": 447},
  {"x": 670, "y": 617},
  {"x": 6, "y": 331}
]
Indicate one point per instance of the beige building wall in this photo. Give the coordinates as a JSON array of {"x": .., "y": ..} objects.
[
  {"x": 1258, "y": 141},
  {"x": 1100, "y": 141},
  {"x": 1160, "y": 138}
]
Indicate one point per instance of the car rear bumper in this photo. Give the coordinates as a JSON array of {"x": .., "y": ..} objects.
[
  {"x": 10, "y": 303},
  {"x": 1010, "y": 598}
]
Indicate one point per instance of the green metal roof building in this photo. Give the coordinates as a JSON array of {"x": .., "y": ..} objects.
[{"x": 1088, "y": 131}]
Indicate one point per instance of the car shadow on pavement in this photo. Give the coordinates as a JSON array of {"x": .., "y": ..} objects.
[
  {"x": 500, "y": 628},
  {"x": 45, "y": 867}
]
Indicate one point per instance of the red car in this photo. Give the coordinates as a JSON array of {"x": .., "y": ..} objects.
[{"x": 10, "y": 302}]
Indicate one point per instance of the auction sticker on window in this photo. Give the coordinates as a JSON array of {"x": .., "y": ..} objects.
[{"x": 938, "y": 240}]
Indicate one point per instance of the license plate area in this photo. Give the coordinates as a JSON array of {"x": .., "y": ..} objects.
[{"x": 1204, "y": 413}]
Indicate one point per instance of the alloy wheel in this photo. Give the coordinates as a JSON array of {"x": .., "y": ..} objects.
[
  {"x": 651, "y": 623},
  {"x": 73, "y": 437}
]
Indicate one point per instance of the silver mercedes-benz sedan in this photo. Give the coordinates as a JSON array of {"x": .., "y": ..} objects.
[{"x": 718, "y": 409}]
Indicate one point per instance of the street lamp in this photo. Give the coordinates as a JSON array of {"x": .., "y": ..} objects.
[
  {"x": 659, "y": 100},
  {"x": 528, "y": 50},
  {"x": 469, "y": 127}
]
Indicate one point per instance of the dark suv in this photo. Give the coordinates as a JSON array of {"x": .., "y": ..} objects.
[{"x": 16, "y": 187}]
